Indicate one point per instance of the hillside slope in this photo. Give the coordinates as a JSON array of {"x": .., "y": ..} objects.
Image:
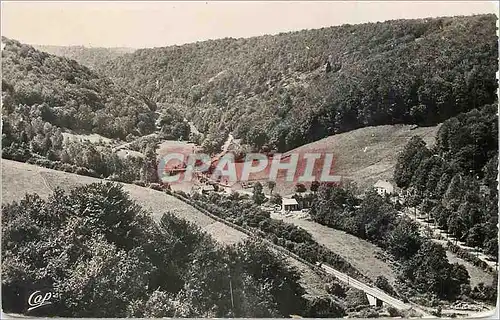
[
  {"x": 286, "y": 90},
  {"x": 363, "y": 255},
  {"x": 368, "y": 154},
  {"x": 68, "y": 95},
  {"x": 363, "y": 155},
  {"x": 21, "y": 178}
]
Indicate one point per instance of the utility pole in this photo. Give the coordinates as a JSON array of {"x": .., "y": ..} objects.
[{"x": 231, "y": 291}]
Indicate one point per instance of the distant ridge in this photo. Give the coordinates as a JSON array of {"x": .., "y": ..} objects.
[
  {"x": 285, "y": 90},
  {"x": 92, "y": 57}
]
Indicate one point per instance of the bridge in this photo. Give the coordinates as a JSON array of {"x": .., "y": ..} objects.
[{"x": 375, "y": 296}]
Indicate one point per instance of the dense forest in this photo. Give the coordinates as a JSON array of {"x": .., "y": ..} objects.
[
  {"x": 104, "y": 256},
  {"x": 68, "y": 95},
  {"x": 285, "y": 90},
  {"x": 455, "y": 181},
  {"x": 44, "y": 96}
]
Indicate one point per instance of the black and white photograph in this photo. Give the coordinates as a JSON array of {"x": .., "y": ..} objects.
[{"x": 249, "y": 159}]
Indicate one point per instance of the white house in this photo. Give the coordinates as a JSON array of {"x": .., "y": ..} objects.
[
  {"x": 289, "y": 204},
  {"x": 384, "y": 187},
  {"x": 203, "y": 189},
  {"x": 207, "y": 189}
]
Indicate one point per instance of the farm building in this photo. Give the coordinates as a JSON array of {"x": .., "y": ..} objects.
[
  {"x": 204, "y": 189},
  {"x": 289, "y": 204},
  {"x": 384, "y": 187},
  {"x": 207, "y": 189}
]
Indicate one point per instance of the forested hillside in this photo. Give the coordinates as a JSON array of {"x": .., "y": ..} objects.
[
  {"x": 44, "y": 95},
  {"x": 293, "y": 88},
  {"x": 455, "y": 182},
  {"x": 90, "y": 57},
  {"x": 37, "y": 85}
]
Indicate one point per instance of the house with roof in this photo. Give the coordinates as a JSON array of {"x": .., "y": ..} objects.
[
  {"x": 289, "y": 204},
  {"x": 384, "y": 187},
  {"x": 206, "y": 189},
  {"x": 203, "y": 189}
]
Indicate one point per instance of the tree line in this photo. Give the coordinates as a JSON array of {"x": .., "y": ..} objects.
[
  {"x": 27, "y": 138},
  {"x": 454, "y": 182}
]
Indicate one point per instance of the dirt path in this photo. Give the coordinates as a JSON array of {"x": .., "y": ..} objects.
[
  {"x": 476, "y": 274},
  {"x": 410, "y": 212}
]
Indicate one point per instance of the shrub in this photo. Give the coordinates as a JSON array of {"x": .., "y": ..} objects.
[
  {"x": 139, "y": 183},
  {"x": 382, "y": 283},
  {"x": 103, "y": 256},
  {"x": 355, "y": 297},
  {"x": 156, "y": 186},
  {"x": 393, "y": 312},
  {"x": 324, "y": 307}
]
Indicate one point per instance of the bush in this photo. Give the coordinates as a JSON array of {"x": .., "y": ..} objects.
[
  {"x": 382, "y": 283},
  {"x": 368, "y": 313},
  {"x": 300, "y": 188},
  {"x": 139, "y": 183},
  {"x": 487, "y": 293},
  {"x": 393, "y": 312},
  {"x": 276, "y": 199},
  {"x": 355, "y": 298},
  {"x": 181, "y": 193},
  {"x": 156, "y": 186},
  {"x": 93, "y": 242},
  {"x": 335, "y": 288},
  {"x": 324, "y": 307}
]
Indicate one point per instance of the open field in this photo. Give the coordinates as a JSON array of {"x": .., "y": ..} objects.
[
  {"x": 368, "y": 154},
  {"x": 363, "y": 255},
  {"x": 172, "y": 146},
  {"x": 364, "y": 155},
  {"x": 20, "y": 178},
  {"x": 94, "y": 138}
]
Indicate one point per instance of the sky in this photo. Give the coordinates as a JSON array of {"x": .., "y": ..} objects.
[{"x": 156, "y": 24}]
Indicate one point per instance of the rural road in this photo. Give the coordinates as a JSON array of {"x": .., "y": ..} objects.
[{"x": 439, "y": 233}]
